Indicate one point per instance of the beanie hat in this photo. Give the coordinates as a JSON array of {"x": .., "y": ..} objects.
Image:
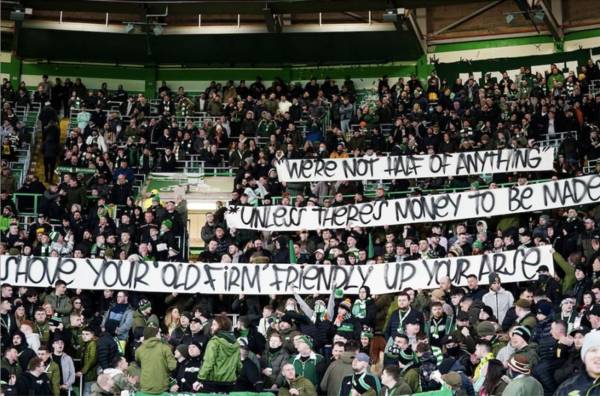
[
  {"x": 493, "y": 277},
  {"x": 187, "y": 314},
  {"x": 144, "y": 304},
  {"x": 591, "y": 340},
  {"x": 183, "y": 350},
  {"x": 543, "y": 307},
  {"x": 522, "y": 332},
  {"x": 346, "y": 304},
  {"x": 307, "y": 340},
  {"x": 520, "y": 364},
  {"x": 167, "y": 223},
  {"x": 367, "y": 332},
  {"x": 150, "y": 331},
  {"x": 486, "y": 328}
]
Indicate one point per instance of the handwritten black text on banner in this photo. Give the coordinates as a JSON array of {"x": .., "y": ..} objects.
[
  {"x": 166, "y": 277},
  {"x": 439, "y": 207},
  {"x": 416, "y": 166}
]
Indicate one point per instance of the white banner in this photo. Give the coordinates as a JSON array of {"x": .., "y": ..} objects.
[
  {"x": 166, "y": 277},
  {"x": 439, "y": 207},
  {"x": 416, "y": 166}
]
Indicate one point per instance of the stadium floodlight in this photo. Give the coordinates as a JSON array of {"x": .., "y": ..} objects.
[
  {"x": 129, "y": 28},
  {"x": 157, "y": 30},
  {"x": 510, "y": 18}
]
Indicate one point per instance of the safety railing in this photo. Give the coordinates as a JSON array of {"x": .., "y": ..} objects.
[
  {"x": 594, "y": 87},
  {"x": 27, "y": 204},
  {"x": 556, "y": 139},
  {"x": 591, "y": 166}
]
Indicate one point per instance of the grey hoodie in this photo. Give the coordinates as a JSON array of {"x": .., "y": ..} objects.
[{"x": 499, "y": 301}]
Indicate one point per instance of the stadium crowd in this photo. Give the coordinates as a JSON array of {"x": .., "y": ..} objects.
[{"x": 532, "y": 338}]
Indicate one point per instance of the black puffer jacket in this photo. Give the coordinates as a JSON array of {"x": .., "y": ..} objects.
[
  {"x": 107, "y": 350},
  {"x": 572, "y": 366}
]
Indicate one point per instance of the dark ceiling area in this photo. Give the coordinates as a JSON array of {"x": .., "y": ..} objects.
[
  {"x": 186, "y": 7},
  {"x": 226, "y": 50}
]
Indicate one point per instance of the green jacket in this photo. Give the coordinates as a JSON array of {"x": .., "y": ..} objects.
[
  {"x": 555, "y": 77},
  {"x": 412, "y": 378},
  {"x": 90, "y": 361},
  {"x": 401, "y": 388},
  {"x": 5, "y": 223},
  {"x": 157, "y": 361},
  {"x": 569, "y": 280},
  {"x": 222, "y": 359},
  {"x": 303, "y": 385},
  {"x": 53, "y": 372},
  {"x": 13, "y": 369},
  {"x": 43, "y": 330},
  {"x": 497, "y": 344},
  {"x": 528, "y": 320},
  {"x": 139, "y": 320},
  {"x": 308, "y": 368},
  {"x": 61, "y": 304},
  {"x": 524, "y": 385}
]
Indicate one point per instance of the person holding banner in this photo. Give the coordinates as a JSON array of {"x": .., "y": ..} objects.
[{"x": 430, "y": 228}]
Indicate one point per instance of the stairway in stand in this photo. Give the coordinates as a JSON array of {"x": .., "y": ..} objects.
[{"x": 37, "y": 163}]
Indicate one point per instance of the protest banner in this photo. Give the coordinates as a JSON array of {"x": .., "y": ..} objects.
[
  {"x": 419, "y": 209},
  {"x": 168, "y": 277},
  {"x": 416, "y": 166}
]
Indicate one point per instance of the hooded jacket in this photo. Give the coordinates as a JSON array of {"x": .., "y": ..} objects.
[
  {"x": 335, "y": 373},
  {"x": 221, "y": 359},
  {"x": 304, "y": 387},
  {"x": 90, "y": 362},
  {"x": 500, "y": 302},
  {"x": 581, "y": 384},
  {"x": 156, "y": 361},
  {"x": 274, "y": 359},
  {"x": 107, "y": 350},
  {"x": 30, "y": 385}
]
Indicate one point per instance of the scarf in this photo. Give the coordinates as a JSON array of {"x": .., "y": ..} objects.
[{"x": 359, "y": 309}]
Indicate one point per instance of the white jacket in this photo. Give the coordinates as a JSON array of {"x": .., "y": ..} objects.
[{"x": 499, "y": 301}]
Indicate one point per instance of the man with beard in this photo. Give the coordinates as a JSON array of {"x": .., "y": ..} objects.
[
  {"x": 402, "y": 315},
  {"x": 340, "y": 367},
  {"x": 439, "y": 325},
  {"x": 361, "y": 381}
]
